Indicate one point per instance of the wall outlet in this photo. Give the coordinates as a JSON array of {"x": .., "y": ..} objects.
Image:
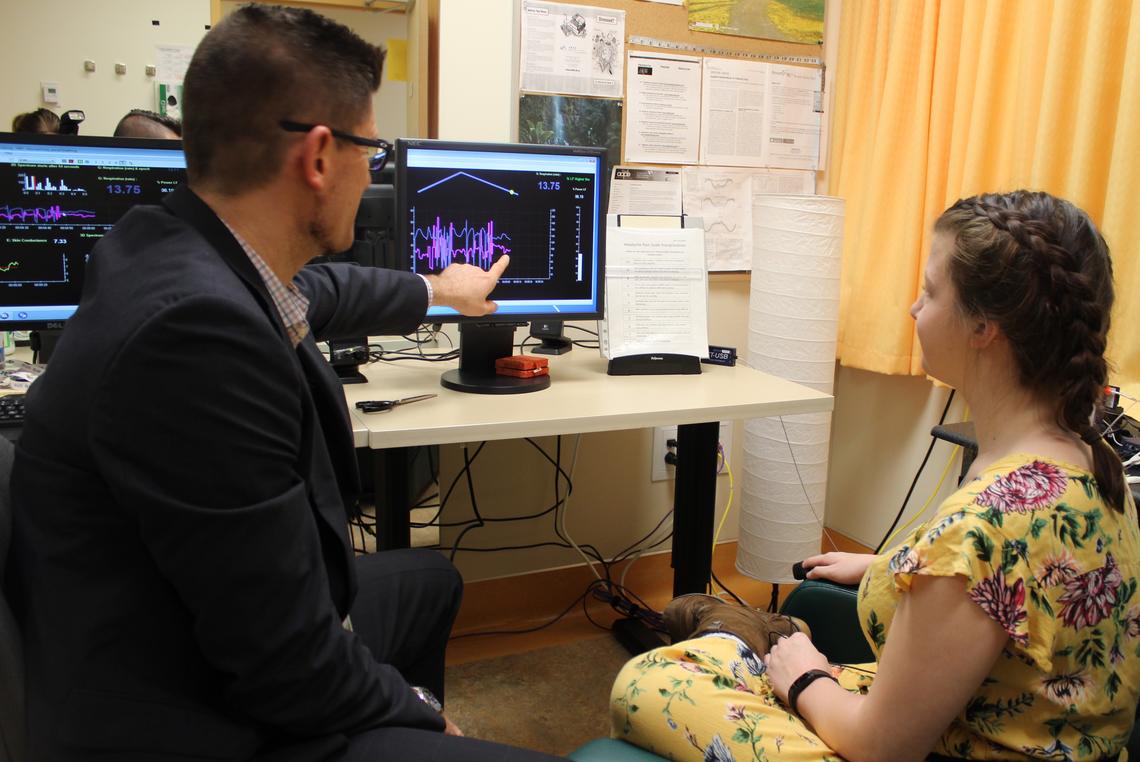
[{"x": 659, "y": 470}]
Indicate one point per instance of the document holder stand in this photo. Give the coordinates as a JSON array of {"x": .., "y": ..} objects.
[{"x": 653, "y": 363}]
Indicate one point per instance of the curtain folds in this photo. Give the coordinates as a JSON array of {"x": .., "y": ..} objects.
[{"x": 940, "y": 99}]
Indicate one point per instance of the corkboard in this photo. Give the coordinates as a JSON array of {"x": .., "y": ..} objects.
[{"x": 671, "y": 22}]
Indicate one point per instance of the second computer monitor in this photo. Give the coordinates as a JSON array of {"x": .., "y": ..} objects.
[{"x": 59, "y": 194}]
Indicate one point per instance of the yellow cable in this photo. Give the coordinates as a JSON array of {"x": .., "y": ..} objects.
[
  {"x": 953, "y": 453},
  {"x": 727, "y": 508},
  {"x": 922, "y": 510}
]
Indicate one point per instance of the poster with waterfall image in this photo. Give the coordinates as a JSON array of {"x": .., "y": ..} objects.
[{"x": 563, "y": 120}]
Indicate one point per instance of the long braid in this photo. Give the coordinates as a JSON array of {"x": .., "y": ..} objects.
[{"x": 1038, "y": 266}]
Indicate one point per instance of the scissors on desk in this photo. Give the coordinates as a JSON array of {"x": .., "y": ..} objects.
[{"x": 383, "y": 406}]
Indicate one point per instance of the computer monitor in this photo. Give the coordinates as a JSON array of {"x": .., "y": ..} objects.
[
  {"x": 474, "y": 202},
  {"x": 59, "y": 194}
]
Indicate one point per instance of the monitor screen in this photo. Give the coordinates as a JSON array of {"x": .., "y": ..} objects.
[
  {"x": 59, "y": 194},
  {"x": 542, "y": 205}
]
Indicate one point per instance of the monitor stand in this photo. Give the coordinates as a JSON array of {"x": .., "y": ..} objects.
[{"x": 480, "y": 344}]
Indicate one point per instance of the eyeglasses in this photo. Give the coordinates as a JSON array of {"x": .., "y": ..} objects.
[{"x": 376, "y": 162}]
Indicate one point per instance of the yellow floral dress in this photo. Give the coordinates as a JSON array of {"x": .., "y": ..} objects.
[{"x": 1041, "y": 553}]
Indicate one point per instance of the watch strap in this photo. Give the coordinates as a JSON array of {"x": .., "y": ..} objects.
[{"x": 802, "y": 682}]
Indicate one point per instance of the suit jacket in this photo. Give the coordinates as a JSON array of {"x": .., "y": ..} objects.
[{"x": 181, "y": 559}]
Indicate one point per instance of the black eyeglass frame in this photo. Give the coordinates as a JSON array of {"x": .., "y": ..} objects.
[{"x": 375, "y": 162}]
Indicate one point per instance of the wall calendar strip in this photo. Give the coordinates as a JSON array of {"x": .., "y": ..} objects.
[{"x": 686, "y": 47}]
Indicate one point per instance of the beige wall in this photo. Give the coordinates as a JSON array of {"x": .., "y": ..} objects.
[
  {"x": 880, "y": 430},
  {"x": 48, "y": 40},
  {"x": 478, "y": 70},
  {"x": 391, "y": 104}
]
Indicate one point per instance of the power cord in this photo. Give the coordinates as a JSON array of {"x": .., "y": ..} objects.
[
  {"x": 474, "y": 505},
  {"x": 603, "y": 588}
]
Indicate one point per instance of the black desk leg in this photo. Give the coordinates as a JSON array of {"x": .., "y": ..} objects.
[
  {"x": 694, "y": 509},
  {"x": 694, "y": 506},
  {"x": 390, "y": 470}
]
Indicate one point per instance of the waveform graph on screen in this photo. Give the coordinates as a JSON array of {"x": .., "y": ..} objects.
[
  {"x": 53, "y": 214},
  {"x": 438, "y": 243},
  {"x": 476, "y": 217},
  {"x": 32, "y": 261}
]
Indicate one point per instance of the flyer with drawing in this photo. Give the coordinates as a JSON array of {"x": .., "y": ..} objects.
[{"x": 572, "y": 49}]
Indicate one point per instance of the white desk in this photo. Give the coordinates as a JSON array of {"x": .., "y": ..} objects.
[{"x": 581, "y": 399}]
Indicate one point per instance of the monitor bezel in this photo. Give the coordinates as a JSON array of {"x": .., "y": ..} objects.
[
  {"x": 64, "y": 141},
  {"x": 403, "y": 232}
]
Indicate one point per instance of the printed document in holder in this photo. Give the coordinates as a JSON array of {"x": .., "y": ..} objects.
[{"x": 656, "y": 295}]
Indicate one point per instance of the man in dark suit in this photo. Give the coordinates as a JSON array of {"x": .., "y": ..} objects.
[{"x": 183, "y": 574}]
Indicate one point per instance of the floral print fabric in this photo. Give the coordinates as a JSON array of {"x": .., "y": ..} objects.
[
  {"x": 708, "y": 699},
  {"x": 1057, "y": 568},
  {"x": 1042, "y": 555}
]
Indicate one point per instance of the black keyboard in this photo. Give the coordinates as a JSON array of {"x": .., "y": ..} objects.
[{"x": 11, "y": 411}]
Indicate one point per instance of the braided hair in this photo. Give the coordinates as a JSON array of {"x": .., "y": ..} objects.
[{"x": 1037, "y": 266}]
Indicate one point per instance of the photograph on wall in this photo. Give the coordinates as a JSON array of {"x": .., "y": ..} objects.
[
  {"x": 784, "y": 20},
  {"x": 567, "y": 121}
]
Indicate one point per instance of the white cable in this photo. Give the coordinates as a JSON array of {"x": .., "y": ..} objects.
[
  {"x": 560, "y": 508},
  {"x": 807, "y": 497},
  {"x": 646, "y": 544}
]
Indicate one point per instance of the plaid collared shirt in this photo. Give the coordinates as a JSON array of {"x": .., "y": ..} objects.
[{"x": 291, "y": 304}]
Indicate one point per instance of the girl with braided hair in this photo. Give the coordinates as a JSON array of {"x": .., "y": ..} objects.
[{"x": 1007, "y": 627}]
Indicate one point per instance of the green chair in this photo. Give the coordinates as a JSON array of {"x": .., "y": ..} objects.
[
  {"x": 611, "y": 750},
  {"x": 831, "y": 611},
  {"x": 828, "y": 609}
]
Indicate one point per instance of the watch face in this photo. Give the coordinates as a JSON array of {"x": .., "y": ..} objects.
[{"x": 428, "y": 698}]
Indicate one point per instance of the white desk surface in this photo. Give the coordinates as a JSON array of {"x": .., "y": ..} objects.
[{"x": 582, "y": 398}]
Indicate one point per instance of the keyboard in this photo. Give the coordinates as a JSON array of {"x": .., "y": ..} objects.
[{"x": 11, "y": 411}]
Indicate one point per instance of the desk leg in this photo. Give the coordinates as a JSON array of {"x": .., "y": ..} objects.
[
  {"x": 694, "y": 509},
  {"x": 694, "y": 506},
  {"x": 390, "y": 469}
]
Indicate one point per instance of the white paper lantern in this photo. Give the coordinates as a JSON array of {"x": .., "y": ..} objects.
[{"x": 792, "y": 328}]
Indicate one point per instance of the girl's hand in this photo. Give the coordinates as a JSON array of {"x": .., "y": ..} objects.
[
  {"x": 844, "y": 568},
  {"x": 789, "y": 658}
]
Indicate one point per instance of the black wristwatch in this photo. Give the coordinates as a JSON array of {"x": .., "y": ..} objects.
[
  {"x": 803, "y": 681},
  {"x": 427, "y": 697}
]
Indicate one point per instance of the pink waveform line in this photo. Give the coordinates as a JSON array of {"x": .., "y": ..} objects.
[
  {"x": 479, "y": 244},
  {"x": 49, "y": 214}
]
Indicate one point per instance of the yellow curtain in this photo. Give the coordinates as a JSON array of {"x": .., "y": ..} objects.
[{"x": 940, "y": 99}]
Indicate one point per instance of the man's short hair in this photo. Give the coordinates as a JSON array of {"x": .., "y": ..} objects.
[
  {"x": 258, "y": 66},
  {"x": 140, "y": 123}
]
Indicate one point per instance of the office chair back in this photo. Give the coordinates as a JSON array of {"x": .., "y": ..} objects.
[{"x": 11, "y": 647}]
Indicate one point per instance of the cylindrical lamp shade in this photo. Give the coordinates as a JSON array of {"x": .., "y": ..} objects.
[{"x": 792, "y": 328}]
